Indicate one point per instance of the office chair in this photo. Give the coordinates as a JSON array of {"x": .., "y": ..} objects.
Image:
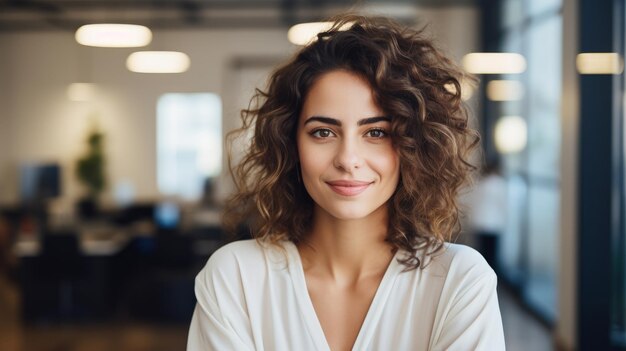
[{"x": 62, "y": 266}]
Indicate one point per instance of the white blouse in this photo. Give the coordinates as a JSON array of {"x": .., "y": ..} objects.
[{"x": 254, "y": 297}]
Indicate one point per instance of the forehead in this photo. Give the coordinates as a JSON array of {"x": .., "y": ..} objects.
[{"x": 341, "y": 95}]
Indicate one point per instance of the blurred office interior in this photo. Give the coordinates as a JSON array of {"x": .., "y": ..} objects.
[{"x": 111, "y": 176}]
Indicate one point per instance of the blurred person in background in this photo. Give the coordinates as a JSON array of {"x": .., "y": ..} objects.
[
  {"x": 487, "y": 212},
  {"x": 4, "y": 245},
  {"x": 209, "y": 195},
  {"x": 7, "y": 259},
  {"x": 350, "y": 181}
]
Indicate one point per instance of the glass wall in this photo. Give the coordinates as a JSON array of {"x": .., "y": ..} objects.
[
  {"x": 530, "y": 254},
  {"x": 618, "y": 294}
]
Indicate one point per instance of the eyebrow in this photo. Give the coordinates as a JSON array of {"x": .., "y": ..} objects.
[{"x": 337, "y": 122}]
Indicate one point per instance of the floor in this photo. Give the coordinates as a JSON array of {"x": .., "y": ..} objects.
[{"x": 522, "y": 331}]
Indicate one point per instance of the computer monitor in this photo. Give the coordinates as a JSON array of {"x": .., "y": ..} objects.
[{"x": 39, "y": 182}]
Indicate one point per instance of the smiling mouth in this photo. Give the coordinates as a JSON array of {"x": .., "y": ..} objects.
[{"x": 348, "y": 188}]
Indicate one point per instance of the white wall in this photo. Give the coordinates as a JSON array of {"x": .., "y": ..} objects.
[
  {"x": 456, "y": 30},
  {"x": 5, "y": 112},
  {"x": 39, "y": 123},
  {"x": 42, "y": 124}
]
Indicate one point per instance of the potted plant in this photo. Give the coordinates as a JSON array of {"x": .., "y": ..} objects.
[{"x": 90, "y": 172}]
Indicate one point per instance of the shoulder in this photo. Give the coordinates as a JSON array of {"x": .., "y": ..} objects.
[
  {"x": 461, "y": 265},
  {"x": 235, "y": 251},
  {"x": 237, "y": 271},
  {"x": 226, "y": 270},
  {"x": 457, "y": 255},
  {"x": 468, "y": 311},
  {"x": 228, "y": 259},
  {"x": 239, "y": 259}
]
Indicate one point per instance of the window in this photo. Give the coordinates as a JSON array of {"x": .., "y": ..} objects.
[
  {"x": 189, "y": 142},
  {"x": 530, "y": 254}
]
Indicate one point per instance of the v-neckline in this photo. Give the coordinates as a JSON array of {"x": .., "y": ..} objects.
[{"x": 296, "y": 271}]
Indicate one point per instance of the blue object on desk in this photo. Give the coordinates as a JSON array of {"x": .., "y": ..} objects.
[{"x": 167, "y": 215}]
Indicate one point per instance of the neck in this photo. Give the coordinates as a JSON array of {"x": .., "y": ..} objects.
[{"x": 347, "y": 250}]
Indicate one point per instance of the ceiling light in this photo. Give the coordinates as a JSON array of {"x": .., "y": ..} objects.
[
  {"x": 306, "y": 33},
  {"x": 158, "y": 62},
  {"x": 113, "y": 35},
  {"x": 599, "y": 63},
  {"x": 505, "y": 90},
  {"x": 494, "y": 63},
  {"x": 511, "y": 134},
  {"x": 81, "y": 91}
]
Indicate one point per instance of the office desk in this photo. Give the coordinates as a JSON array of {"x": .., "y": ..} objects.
[
  {"x": 127, "y": 271},
  {"x": 102, "y": 242},
  {"x": 91, "y": 295}
]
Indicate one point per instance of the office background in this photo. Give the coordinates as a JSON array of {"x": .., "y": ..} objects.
[{"x": 561, "y": 256}]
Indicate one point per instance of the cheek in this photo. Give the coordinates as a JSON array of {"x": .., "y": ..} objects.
[
  {"x": 311, "y": 168},
  {"x": 387, "y": 163},
  {"x": 311, "y": 163},
  {"x": 307, "y": 158}
]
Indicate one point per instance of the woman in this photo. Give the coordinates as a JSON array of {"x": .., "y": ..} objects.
[{"x": 358, "y": 151}]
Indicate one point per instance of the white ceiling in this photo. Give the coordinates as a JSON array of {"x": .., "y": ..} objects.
[{"x": 18, "y": 15}]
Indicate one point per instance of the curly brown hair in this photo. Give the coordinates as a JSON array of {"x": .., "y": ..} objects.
[{"x": 414, "y": 83}]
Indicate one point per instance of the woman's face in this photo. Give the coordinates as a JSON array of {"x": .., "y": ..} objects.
[{"x": 349, "y": 166}]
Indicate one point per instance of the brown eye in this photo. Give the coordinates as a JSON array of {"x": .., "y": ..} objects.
[
  {"x": 322, "y": 133},
  {"x": 376, "y": 133}
]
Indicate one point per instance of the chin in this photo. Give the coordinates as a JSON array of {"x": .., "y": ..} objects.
[{"x": 350, "y": 212}]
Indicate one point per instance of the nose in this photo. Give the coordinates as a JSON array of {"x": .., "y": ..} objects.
[{"x": 348, "y": 156}]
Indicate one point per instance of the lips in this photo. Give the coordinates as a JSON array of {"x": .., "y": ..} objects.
[{"x": 348, "y": 187}]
